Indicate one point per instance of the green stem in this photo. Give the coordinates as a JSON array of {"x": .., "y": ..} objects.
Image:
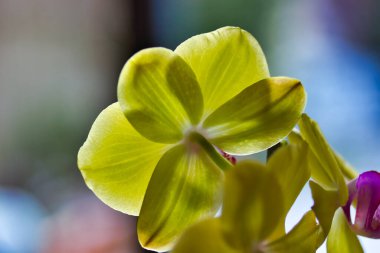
[{"x": 218, "y": 159}]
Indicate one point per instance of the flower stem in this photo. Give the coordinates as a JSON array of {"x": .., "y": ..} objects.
[{"x": 218, "y": 159}]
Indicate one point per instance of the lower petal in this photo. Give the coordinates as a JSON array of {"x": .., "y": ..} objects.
[
  {"x": 305, "y": 237},
  {"x": 204, "y": 237},
  {"x": 185, "y": 187},
  {"x": 341, "y": 239}
]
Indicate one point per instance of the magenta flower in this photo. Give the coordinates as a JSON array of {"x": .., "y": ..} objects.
[{"x": 366, "y": 190}]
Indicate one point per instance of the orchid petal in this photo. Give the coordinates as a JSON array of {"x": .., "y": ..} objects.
[
  {"x": 185, "y": 187},
  {"x": 368, "y": 202},
  {"x": 324, "y": 166},
  {"x": 117, "y": 162},
  {"x": 258, "y": 117},
  {"x": 289, "y": 165},
  {"x": 341, "y": 239},
  {"x": 305, "y": 237},
  {"x": 225, "y": 61},
  {"x": 253, "y": 205},
  {"x": 204, "y": 237},
  {"x": 325, "y": 204},
  {"x": 160, "y": 95}
]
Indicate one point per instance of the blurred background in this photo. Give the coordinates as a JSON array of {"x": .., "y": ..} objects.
[{"x": 59, "y": 65}]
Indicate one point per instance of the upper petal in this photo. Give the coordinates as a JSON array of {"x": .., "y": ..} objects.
[
  {"x": 258, "y": 117},
  {"x": 225, "y": 62},
  {"x": 252, "y": 206},
  {"x": 185, "y": 187},
  {"x": 160, "y": 95},
  {"x": 117, "y": 162}
]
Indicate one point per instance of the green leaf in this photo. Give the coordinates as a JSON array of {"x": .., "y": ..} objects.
[
  {"x": 185, "y": 187},
  {"x": 225, "y": 61},
  {"x": 289, "y": 165},
  {"x": 305, "y": 237},
  {"x": 204, "y": 237},
  {"x": 258, "y": 117},
  {"x": 117, "y": 162},
  {"x": 325, "y": 204},
  {"x": 324, "y": 166},
  {"x": 341, "y": 239},
  {"x": 252, "y": 205},
  {"x": 160, "y": 95}
]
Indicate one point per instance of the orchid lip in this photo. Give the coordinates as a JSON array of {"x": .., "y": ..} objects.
[{"x": 366, "y": 190}]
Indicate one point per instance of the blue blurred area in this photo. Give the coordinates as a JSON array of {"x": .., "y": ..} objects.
[
  {"x": 20, "y": 219},
  {"x": 60, "y": 61}
]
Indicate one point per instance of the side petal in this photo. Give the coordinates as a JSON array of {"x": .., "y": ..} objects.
[
  {"x": 160, "y": 95},
  {"x": 258, "y": 117},
  {"x": 252, "y": 206},
  {"x": 204, "y": 237},
  {"x": 225, "y": 61},
  {"x": 324, "y": 166},
  {"x": 117, "y": 162},
  {"x": 341, "y": 239},
  {"x": 305, "y": 237},
  {"x": 185, "y": 187},
  {"x": 289, "y": 165}
]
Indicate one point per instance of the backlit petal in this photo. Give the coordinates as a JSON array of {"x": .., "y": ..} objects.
[
  {"x": 289, "y": 165},
  {"x": 323, "y": 163},
  {"x": 341, "y": 239},
  {"x": 252, "y": 206},
  {"x": 159, "y": 94},
  {"x": 225, "y": 61},
  {"x": 204, "y": 237},
  {"x": 185, "y": 187},
  {"x": 258, "y": 117},
  {"x": 117, "y": 162},
  {"x": 305, "y": 237}
]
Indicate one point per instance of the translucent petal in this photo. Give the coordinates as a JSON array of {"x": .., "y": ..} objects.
[
  {"x": 341, "y": 239},
  {"x": 160, "y": 95},
  {"x": 117, "y": 162},
  {"x": 258, "y": 117},
  {"x": 225, "y": 61},
  {"x": 185, "y": 187},
  {"x": 252, "y": 205},
  {"x": 305, "y": 237},
  {"x": 324, "y": 166},
  {"x": 289, "y": 165},
  {"x": 204, "y": 237},
  {"x": 325, "y": 204}
]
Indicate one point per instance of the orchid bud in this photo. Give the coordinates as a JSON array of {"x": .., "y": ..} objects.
[{"x": 366, "y": 190}]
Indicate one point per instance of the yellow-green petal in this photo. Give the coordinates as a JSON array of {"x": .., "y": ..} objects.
[
  {"x": 258, "y": 117},
  {"x": 305, "y": 237},
  {"x": 117, "y": 162},
  {"x": 325, "y": 204},
  {"x": 204, "y": 237},
  {"x": 289, "y": 165},
  {"x": 160, "y": 95},
  {"x": 252, "y": 206},
  {"x": 185, "y": 187},
  {"x": 225, "y": 61},
  {"x": 322, "y": 160},
  {"x": 341, "y": 239}
]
